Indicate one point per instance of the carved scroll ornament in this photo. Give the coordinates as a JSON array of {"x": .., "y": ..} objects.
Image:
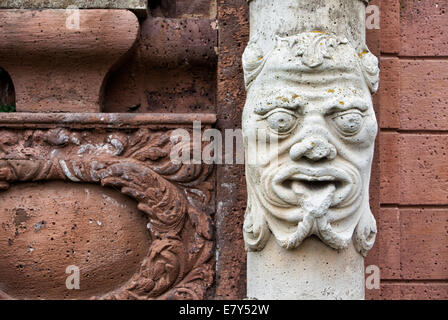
[{"x": 176, "y": 198}]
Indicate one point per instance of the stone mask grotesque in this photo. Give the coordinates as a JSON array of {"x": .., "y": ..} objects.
[{"x": 309, "y": 99}]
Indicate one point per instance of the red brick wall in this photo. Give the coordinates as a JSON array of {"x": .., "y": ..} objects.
[{"x": 413, "y": 219}]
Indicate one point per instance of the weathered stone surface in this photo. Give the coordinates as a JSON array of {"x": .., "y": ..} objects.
[
  {"x": 184, "y": 9},
  {"x": 82, "y": 4},
  {"x": 418, "y": 179},
  {"x": 373, "y": 37},
  {"x": 389, "y": 236},
  {"x": 48, "y": 227},
  {"x": 231, "y": 184},
  {"x": 66, "y": 71},
  {"x": 172, "y": 69}
]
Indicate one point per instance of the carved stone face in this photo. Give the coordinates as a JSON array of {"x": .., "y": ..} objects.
[{"x": 310, "y": 100}]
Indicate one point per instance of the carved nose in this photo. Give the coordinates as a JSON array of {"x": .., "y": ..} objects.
[{"x": 314, "y": 149}]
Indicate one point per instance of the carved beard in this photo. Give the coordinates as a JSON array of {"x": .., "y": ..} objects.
[{"x": 295, "y": 201}]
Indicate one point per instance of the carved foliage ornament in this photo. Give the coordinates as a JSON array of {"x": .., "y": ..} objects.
[
  {"x": 311, "y": 95},
  {"x": 176, "y": 198}
]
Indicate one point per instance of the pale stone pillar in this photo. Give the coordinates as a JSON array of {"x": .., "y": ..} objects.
[{"x": 309, "y": 129}]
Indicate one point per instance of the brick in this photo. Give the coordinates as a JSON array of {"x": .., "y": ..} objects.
[
  {"x": 389, "y": 243},
  {"x": 423, "y": 169},
  {"x": 390, "y": 26},
  {"x": 424, "y": 243},
  {"x": 173, "y": 69},
  {"x": 424, "y": 95},
  {"x": 390, "y": 165},
  {"x": 390, "y": 93},
  {"x": 424, "y": 26}
]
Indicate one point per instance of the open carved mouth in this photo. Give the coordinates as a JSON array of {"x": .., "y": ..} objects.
[{"x": 302, "y": 184}]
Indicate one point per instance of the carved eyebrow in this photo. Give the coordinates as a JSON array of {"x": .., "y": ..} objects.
[
  {"x": 346, "y": 104},
  {"x": 280, "y": 101}
]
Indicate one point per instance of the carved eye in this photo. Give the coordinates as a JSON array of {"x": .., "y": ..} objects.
[
  {"x": 281, "y": 121},
  {"x": 349, "y": 122}
]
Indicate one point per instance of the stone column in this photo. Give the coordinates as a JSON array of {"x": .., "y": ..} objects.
[{"x": 309, "y": 129}]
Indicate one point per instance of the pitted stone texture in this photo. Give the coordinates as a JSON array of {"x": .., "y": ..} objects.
[
  {"x": 423, "y": 28},
  {"x": 82, "y": 4},
  {"x": 414, "y": 291},
  {"x": 176, "y": 200},
  {"x": 311, "y": 272},
  {"x": 7, "y": 96},
  {"x": 59, "y": 69},
  {"x": 390, "y": 166},
  {"x": 184, "y": 9},
  {"x": 390, "y": 26},
  {"x": 424, "y": 239},
  {"x": 423, "y": 94},
  {"x": 47, "y": 227},
  {"x": 231, "y": 184},
  {"x": 425, "y": 174}
]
